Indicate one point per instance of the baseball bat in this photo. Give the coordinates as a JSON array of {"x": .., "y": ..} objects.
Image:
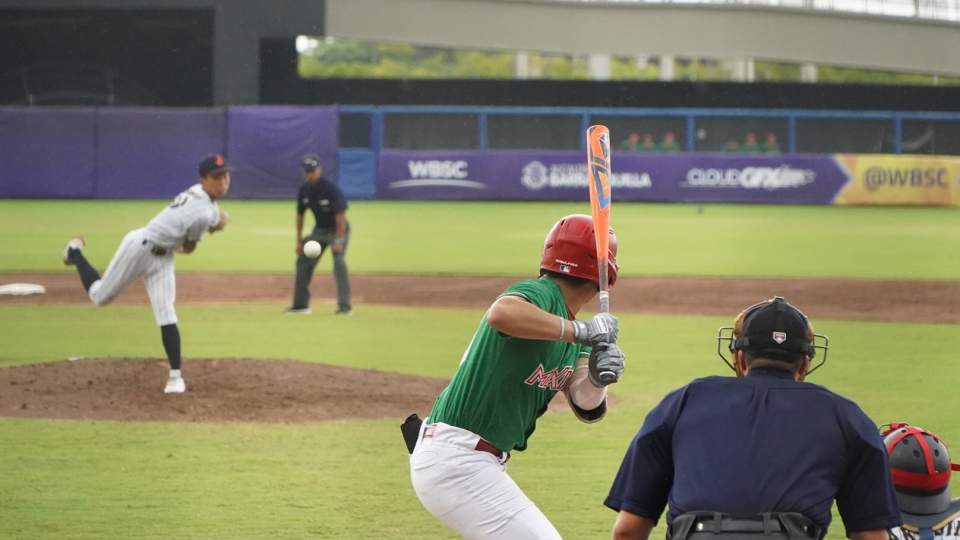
[{"x": 598, "y": 171}]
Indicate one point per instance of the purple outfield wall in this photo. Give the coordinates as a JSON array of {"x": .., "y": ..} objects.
[
  {"x": 553, "y": 176},
  {"x": 138, "y": 153},
  {"x": 266, "y": 143},
  {"x": 145, "y": 154},
  {"x": 48, "y": 152}
]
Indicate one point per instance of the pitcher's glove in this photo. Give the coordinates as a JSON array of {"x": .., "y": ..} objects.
[
  {"x": 602, "y": 328},
  {"x": 224, "y": 220},
  {"x": 607, "y": 363}
]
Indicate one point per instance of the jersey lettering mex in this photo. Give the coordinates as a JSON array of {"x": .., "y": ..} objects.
[{"x": 503, "y": 383}]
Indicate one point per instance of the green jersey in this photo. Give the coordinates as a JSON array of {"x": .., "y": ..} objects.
[{"x": 505, "y": 383}]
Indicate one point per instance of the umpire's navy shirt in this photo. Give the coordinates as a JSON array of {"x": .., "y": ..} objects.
[
  {"x": 324, "y": 199},
  {"x": 761, "y": 443}
]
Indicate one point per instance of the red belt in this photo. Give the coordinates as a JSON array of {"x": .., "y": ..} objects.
[{"x": 485, "y": 446}]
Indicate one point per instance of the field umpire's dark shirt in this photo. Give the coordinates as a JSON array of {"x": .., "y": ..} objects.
[
  {"x": 324, "y": 199},
  {"x": 761, "y": 443}
]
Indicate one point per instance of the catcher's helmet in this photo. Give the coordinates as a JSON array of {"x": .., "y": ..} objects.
[
  {"x": 920, "y": 466},
  {"x": 571, "y": 249},
  {"x": 775, "y": 329}
]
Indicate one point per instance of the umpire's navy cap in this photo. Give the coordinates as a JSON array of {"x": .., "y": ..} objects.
[
  {"x": 212, "y": 164},
  {"x": 775, "y": 327},
  {"x": 310, "y": 162}
]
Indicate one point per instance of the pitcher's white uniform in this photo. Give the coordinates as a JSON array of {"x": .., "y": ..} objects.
[{"x": 148, "y": 252}]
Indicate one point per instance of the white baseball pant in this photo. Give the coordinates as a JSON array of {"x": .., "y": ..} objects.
[
  {"x": 132, "y": 260},
  {"x": 470, "y": 491}
]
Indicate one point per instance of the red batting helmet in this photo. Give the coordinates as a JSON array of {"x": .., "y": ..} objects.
[
  {"x": 920, "y": 466},
  {"x": 571, "y": 249}
]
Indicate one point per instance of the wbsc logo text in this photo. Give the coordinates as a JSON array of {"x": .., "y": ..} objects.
[
  {"x": 438, "y": 172},
  {"x": 876, "y": 178},
  {"x": 436, "y": 168}
]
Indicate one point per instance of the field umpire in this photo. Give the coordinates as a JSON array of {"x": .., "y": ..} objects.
[
  {"x": 760, "y": 456},
  {"x": 331, "y": 229}
]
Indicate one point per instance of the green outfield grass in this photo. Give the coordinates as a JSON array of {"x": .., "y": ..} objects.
[
  {"x": 348, "y": 479},
  {"x": 505, "y": 238}
]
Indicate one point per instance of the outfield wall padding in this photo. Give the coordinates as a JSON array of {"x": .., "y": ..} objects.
[
  {"x": 153, "y": 153},
  {"x": 137, "y": 153},
  {"x": 149, "y": 153},
  {"x": 697, "y": 178},
  {"x": 266, "y": 143},
  {"x": 48, "y": 152}
]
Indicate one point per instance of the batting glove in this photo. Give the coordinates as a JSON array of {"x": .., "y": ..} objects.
[
  {"x": 602, "y": 328},
  {"x": 607, "y": 363}
]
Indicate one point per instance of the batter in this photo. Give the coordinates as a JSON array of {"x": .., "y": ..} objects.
[{"x": 527, "y": 348}]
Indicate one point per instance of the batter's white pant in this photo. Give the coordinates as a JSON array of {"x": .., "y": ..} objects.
[
  {"x": 470, "y": 490},
  {"x": 132, "y": 260}
]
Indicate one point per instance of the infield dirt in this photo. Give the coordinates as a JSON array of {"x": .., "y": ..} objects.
[
  {"x": 863, "y": 300},
  {"x": 255, "y": 390}
]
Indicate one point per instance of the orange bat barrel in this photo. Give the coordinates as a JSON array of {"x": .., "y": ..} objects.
[{"x": 598, "y": 172}]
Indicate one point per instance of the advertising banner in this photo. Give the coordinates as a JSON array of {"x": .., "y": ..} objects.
[
  {"x": 438, "y": 175},
  {"x": 782, "y": 179},
  {"x": 562, "y": 176},
  {"x": 900, "y": 180}
]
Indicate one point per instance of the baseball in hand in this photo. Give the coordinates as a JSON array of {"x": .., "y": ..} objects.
[{"x": 312, "y": 249}]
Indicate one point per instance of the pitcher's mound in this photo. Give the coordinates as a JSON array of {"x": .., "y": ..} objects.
[{"x": 221, "y": 390}]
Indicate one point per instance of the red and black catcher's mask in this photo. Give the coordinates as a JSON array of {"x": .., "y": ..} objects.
[
  {"x": 920, "y": 466},
  {"x": 571, "y": 249}
]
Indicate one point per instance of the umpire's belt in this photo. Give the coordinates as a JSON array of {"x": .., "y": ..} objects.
[
  {"x": 155, "y": 249},
  {"x": 772, "y": 525}
]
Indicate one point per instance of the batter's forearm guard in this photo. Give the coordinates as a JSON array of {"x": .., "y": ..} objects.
[{"x": 591, "y": 416}]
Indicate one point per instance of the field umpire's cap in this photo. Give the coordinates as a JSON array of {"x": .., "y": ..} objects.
[
  {"x": 212, "y": 164},
  {"x": 310, "y": 162}
]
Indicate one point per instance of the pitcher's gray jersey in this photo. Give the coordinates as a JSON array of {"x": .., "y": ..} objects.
[{"x": 186, "y": 219}]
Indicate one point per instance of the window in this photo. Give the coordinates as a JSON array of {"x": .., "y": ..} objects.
[
  {"x": 421, "y": 131},
  {"x": 542, "y": 132}
]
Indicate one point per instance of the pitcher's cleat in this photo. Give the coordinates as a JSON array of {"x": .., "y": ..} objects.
[
  {"x": 74, "y": 245},
  {"x": 175, "y": 385}
]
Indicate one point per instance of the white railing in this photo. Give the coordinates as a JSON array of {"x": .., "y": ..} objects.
[{"x": 944, "y": 10}]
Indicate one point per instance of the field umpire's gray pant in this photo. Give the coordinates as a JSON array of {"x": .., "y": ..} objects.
[{"x": 306, "y": 266}]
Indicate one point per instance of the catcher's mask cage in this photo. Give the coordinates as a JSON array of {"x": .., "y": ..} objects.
[{"x": 738, "y": 338}]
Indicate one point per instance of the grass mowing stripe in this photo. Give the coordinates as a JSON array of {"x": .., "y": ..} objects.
[{"x": 505, "y": 238}]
